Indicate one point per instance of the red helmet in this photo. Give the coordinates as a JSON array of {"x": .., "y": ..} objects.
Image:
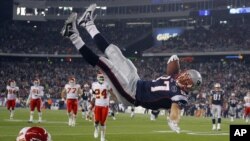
[{"x": 33, "y": 134}]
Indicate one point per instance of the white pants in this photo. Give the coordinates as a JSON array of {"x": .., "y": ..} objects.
[
  {"x": 216, "y": 111},
  {"x": 124, "y": 72}
]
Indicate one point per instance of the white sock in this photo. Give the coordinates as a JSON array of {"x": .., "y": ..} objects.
[
  {"x": 77, "y": 41},
  {"x": 73, "y": 120},
  {"x": 40, "y": 116},
  {"x": 12, "y": 113},
  {"x": 31, "y": 116},
  {"x": 218, "y": 125},
  {"x": 103, "y": 131},
  {"x": 92, "y": 30}
]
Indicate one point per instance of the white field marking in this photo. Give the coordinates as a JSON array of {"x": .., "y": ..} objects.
[
  {"x": 196, "y": 133},
  {"x": 86, "y": 134},
  {"x": 35, "y": 121},
  {"x": 170, "y": 131},
  {"x": 208, "y": 134}
]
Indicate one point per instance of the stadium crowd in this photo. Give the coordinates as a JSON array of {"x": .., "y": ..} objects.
[
  {"x": 216, "y": 38},
  {"x": 45, "y": 38},
  {"x": 23, "y": 37}
]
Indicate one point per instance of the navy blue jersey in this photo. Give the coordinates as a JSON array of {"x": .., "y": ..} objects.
[
  {"x": 86, "y": 95},
  {"x": 217, "y": 97},
  {"x": 159, "y": 93},
  {"x": 233, "y": 102}
]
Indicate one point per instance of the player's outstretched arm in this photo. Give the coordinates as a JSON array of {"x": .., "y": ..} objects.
[{"x": 174, "y": 117}]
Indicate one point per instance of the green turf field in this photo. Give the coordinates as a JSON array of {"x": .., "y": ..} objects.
[{"x": 124, "y": 128}]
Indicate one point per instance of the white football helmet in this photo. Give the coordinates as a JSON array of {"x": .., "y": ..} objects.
[
  {"x": 33, "y": 134},
  {"x": 217, "y": 85},
  {"x": 86, "y": 86},
  {"x": 233, "y": 94},
  {"x": 189, "y": 80}
]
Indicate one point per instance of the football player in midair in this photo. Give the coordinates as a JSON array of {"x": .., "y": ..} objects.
[
  {"x": 71, "y": 92},
  {"x": 216, "y": 103},
  {"x": 165, "y": 92},
  {"x": 35, "y": 99},
  {"x": 101, "y": 94},
  {"x": 12, "y": 92},
  {"x": 247, "y": 106}
]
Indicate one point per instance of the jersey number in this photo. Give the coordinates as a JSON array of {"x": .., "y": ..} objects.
[
  {"x": 161, "y": 88},
  {"x": 35, "y": 91},
  {"x": 73, "y": 90},
  {"x": 11, "y": 91},
  {"x": 216, "y": 96},
  {"x": 100, "y": 94}
]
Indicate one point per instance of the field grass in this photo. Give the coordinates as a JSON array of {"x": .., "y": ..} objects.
[{"x": 124, "y": 128}]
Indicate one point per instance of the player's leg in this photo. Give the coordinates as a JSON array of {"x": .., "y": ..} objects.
[
  {"x": 9, "y": 106},
  {"x": 83, "y": 109},
  {"x": 213, "y": 110},
  {"x": 70, "y": 31},
  {"x": 104, "y": 115},
  {"x": 69, "y": 109},
  {"x": 232, "y": 113},
  {"x": 39, "y": 105},
  {"x": 97, "y": 116},
  {"x": 132, "y": 114},
  {"x": 247, "y": 113},
  {"x": 32, "y": 108},
  {"x": 126, "y": 69},
  {"x": 75, "y": 108},
  {"x": 219, "y": 117},
  {"x": 120, "y": 82},
  {"x": 12, "y": 108}
]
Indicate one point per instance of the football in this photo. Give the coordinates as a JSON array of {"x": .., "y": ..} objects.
[{"x": 173, "y": 67}]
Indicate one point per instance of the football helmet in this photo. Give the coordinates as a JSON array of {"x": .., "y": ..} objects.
[
  {"x": 100, "y": 78},
  {"x": 72, "y": 81},
  {"x": 33, "y": 134},
  {"x": 36, "y": 82},
  {"x": 233, "y": 94},
  {"x": 86, "y": 86},
  {"x": 189, "y": 80},
  {"x": 217, "y": 85},
  {"x": 12, "y": 83}
]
